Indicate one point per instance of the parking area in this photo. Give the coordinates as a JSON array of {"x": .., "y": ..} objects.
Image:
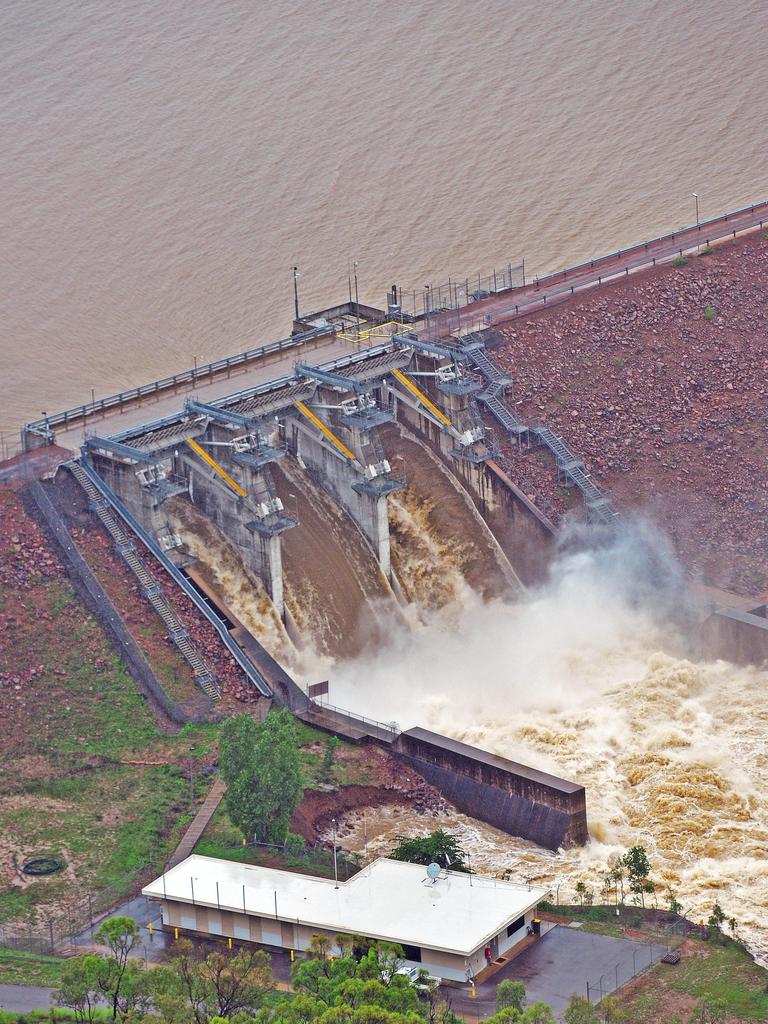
[{"x": 560, "y": 965}]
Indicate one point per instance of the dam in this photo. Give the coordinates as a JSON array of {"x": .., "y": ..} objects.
[{"x": 356, "y": 476}]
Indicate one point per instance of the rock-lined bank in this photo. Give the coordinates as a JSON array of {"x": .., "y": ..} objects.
[{"x": 659, "y": 383}]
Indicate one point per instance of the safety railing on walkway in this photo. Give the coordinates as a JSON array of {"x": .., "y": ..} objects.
[
  {"x": 45, "y": 426},
  {"x": 636, "y": 257},
  {"x": 150, "y": 587},
  {"x": 219, "y": 624},
  {"x": 388, "y": 731}
]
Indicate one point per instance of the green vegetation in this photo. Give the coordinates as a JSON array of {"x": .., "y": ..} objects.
[
  {"x": 29, "y": 968},
  {"x": 85, "y": 773},
  {"x": 327, "y": 766},
  {"x": 205, "y": 986},
  {"x": 260, "y": 764},
  {"x": 439, "y": 847},
  {"x": 679, "y": 261},
  {"x": 715, "y": 974},
  {"x": 706, "y": 250},
  {"x": 709, "y": 312}
]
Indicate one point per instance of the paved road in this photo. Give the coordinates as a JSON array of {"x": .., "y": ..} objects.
[
  {"x": 530, "y": 297},
  {"x": 152, "y": 407},
  {"x": 23, "y": 998}
]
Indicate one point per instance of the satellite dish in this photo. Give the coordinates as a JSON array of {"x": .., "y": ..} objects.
[{"x": 433, "y": 871}]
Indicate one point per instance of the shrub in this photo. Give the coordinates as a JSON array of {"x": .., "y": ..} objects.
[
  {"x": 679, "y": 261},
  {"x": 709, "y": 312}
]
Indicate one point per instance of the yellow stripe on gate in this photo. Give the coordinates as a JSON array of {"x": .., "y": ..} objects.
[
  {"x": 217, "y": 468},
  {"x": 306, "y": 411},
  {"x": 422, "y": 397}
]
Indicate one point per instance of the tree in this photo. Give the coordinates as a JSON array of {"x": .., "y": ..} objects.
[
  {"x": 345, "y": 991},
  {"x": 438, "y": 847},
  {"x": 580, "y": 1011},
  {"x": 120, "y": 935},
  {"x": 536, "y": 1013},
  {"x": 616, "y": 875},
  {"x": 260, "y": 764},
  {"x": 510, "y": 993},
  {"x": 638, "y": 868},
  {"x": 674, "y": 906},
  {"x": 581, "y": 892},
  {"x": 716, "y": 919},
  {"x": 80, "y": 986},
  {"x": 219, "y": 983},
  {"x": 326, "y": 772}
]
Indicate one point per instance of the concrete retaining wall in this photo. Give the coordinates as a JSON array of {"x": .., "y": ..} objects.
[
  {"x": 736, "y": 635},
  {"x": 510, "y": 796}
]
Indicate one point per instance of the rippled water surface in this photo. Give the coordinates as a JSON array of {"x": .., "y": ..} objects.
[{"x": 164, "y": 165}]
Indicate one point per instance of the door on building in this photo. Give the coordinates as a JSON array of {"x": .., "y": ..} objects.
[{"x": 494, "y": 944}]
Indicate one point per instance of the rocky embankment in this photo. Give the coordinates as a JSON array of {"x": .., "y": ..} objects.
[
  {"x": 388, "y": 782},
  {"x": 659, "y": 383}
]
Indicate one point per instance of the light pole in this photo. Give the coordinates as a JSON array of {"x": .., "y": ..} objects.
[
  {"x": 335, "y": 864},
  {"x": 357, "y": 301},
  {"x": 696, "y": 197},
  {"x": 296, "y": 291}
]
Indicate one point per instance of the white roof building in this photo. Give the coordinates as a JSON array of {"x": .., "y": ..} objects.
[{"x": 449, "y": 925}]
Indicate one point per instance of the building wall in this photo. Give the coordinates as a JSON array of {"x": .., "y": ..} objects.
[{"x": 297, "y": 936}]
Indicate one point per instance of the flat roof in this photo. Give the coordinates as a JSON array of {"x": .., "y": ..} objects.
[
  {"x": 388, "y": 900},
  {"x": 494, "y": 760}
]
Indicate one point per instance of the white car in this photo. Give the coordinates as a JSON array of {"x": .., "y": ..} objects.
[{"x": 419, "y": 977}]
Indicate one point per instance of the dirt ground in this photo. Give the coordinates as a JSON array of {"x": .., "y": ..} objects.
[
  {"x": 386, "y": 784},
  {"x": 659, "y": 383}
]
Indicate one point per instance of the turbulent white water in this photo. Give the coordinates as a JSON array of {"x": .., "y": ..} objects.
[{"x": 587, "y": 679}]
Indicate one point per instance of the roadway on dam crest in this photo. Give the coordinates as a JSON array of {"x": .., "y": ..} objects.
[{"x": 155, "y": 407}]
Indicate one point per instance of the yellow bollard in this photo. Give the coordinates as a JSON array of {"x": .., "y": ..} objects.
[
  {"x": 243, "y": 842},
  {"x": 150, "y": 929},
  {"x": 293, "y": 956},
  {"x": 229, "y": 942},
  {"x": 175, "y": 933},
  {"x": 474, "y": 991}
]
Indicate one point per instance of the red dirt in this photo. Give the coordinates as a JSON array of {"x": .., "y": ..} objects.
[
  {"x": 388, "y": 785},
  {"x": 97, "y": 549},
  {"x": 665, "y": 402}
]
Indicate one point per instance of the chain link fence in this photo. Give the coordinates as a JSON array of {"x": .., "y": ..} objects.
[
  {"x": 625, "y": 970},
  {"x": 60, "y": 928}
]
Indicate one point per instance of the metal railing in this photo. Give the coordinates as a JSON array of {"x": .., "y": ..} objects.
[
  {"x": 384, "y": 730},
  {"x": 703, "y": 237},
  {"x": 78, "y": 412},
  {"x": 461, "y": 291},
  {"x": 250, "y": 670}
]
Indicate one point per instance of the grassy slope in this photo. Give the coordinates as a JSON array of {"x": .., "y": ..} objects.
[
  {"x": 63, "y": 736},
  {"x": 723, "y": 972},
  {"x": 29, "y": 969},
  {"x": 708, "y": 970}
]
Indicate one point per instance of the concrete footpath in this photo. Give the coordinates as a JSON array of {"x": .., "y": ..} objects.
[{"x": 23, "y": 998}]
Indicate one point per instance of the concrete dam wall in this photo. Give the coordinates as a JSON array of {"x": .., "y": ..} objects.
[
  {"x": 510, "y": 796},
  {"x": 328, "y": 510}
]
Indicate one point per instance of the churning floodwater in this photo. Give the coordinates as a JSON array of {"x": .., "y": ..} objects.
[
  {"x": 165, "y": 165},
  {"x": 587, "y": 678}
]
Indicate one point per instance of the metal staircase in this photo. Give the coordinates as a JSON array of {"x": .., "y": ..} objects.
[
  {"x": 599, "y": 506},
  {"x": 150, "y": 587}
]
